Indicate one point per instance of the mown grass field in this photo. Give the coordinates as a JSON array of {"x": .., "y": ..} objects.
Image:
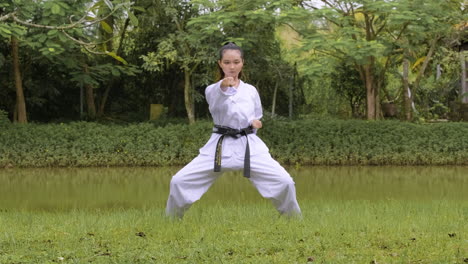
[
  {"x": 331, "y": 231},
  {"x": 365, "y": 214}
]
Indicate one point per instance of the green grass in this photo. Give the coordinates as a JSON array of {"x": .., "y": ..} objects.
[{"x": 331, "y": 231}]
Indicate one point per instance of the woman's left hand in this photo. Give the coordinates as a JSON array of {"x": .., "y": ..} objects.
[{"x": 256, "y": 124}]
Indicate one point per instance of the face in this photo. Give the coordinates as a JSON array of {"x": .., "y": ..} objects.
[{"x": 231, "y": 63}]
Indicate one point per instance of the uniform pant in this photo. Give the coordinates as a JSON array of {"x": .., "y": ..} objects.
[{"x": 266, "y": 174}]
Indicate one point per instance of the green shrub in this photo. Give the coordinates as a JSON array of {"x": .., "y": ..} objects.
[
  {"x": 356, "y": 142},
  {"x": 300, "y": 142}
]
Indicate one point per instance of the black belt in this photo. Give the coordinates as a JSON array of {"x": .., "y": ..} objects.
[{"x": 235, "y": 133}]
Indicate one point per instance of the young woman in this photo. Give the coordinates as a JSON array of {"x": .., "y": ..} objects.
[{"x": 236, "y": 110}]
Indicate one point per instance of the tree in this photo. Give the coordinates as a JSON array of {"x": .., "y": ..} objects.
[
  {"x": 184, "y": 48},
  {"x": 346, "y": 82},
  {"x": 20, "y": 111},
  {"x": 365, "y": 33},
  {"x": 425, "y": 35},
  {"x": 202, "y": 26},
  {"x": 251, "y": 25},
  {"x": 49, "y": 27}
]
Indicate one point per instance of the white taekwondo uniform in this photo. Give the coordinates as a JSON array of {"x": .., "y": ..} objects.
[{"x": 234, "y": 108}]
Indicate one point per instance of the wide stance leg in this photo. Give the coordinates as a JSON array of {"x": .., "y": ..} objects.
[
  {"x": 274, "y": 182},
  {"x": 189, "y": 184}
]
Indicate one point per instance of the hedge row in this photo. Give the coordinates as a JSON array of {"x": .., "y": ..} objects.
[
  {"x": 304, "y": 142},
  {"x": 357, "y": 142}
]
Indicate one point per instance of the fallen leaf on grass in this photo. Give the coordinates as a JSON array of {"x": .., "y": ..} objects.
[
  {"x": 107, "y": 253},
  {"x": 140, "y": 234}
]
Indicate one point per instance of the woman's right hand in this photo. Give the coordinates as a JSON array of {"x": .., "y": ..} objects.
[{"x": 228, "y": 81}]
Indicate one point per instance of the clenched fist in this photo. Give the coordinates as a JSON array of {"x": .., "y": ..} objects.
[
  {"x": 256, "y": 124},
  {"x": 228, "y": 81}
]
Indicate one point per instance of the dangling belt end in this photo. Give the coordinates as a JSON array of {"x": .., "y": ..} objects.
[{"x": 235, "y": 133}]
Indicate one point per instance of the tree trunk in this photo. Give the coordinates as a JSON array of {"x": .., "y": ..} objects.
[
  {"x": 407, "y": 94},
  {"x": 102, "y": 105},
  {"x": 378, "y": 107},
  {"x": 21, "y": 116},
  {"x": 464, "y": 84},
  {"x": 91, "y": 106},
  {"x": 370, "y": 92},
  {"x": 373, "y": 106},
  {"x": 273, "y": 104},
  {"x": 424, "y": 65},
  {"x": 114, "y": 79},
  {"x": 291, "y": 87},
  {"x": 90, "y": 102},
  {"x": 188, "y": 97}
]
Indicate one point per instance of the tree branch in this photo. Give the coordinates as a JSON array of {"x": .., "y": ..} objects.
[
  {"x": 340, "y": 7},
  {"x": 86, "y": 45},
  {"x": 78, "y": 24},
  {"x": 381, "y": 28},
  {"x": 122, "y": 36},
  {"x": 426, "y": 61},
  {"x": 401, "y": 32},
  {"x": 330, "y": 53},
  {"x": 349, "y": 9},
  {"x": 352, "y": 10},
  {"x": 7, "y": 16},
  {"x": 371, "y": 24},
  {"x": 194, "y": 67},
  {"x": 292, "y": 27},
  {"x": 302, "y": 4},
  {"x": 331, "y": 5},
  {"x": 368, "y": 27}
]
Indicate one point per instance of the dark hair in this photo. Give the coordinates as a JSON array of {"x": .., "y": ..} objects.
[{"x": 228, "y": 46}]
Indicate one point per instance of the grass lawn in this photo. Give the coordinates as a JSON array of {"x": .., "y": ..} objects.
[{"x": 331, "y": 231}]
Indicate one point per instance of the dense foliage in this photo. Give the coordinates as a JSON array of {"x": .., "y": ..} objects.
[
  {"x": 101, "y": 59},
  {"x": 302, "y": 142}
]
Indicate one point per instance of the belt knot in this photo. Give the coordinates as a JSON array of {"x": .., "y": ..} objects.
[{"x": 235, "y": 133}]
